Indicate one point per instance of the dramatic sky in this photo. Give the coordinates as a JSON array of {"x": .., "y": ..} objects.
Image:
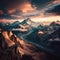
[{"x": 21, "y": 9}]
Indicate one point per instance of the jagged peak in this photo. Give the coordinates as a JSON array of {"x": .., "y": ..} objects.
[{"x": 28, "y": 19}]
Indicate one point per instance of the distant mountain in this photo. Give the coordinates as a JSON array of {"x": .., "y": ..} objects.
[
  {"x": 33, "y": 37},
  {"x": 9, "y": 26},
  {"x": 15, "y": 24},
  {"x": 54, "y": 24},
  {"x": 26, "y": 21},
  {"x": 48, "y": 42},
  {"x": 4, "y": 26}
]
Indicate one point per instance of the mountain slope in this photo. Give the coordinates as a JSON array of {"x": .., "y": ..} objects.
[{"x": 13, "y": 48}]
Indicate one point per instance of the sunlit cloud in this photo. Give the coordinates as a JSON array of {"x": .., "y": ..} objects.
[
  {"x": 47, "y": 19},
  {"x": 44, "y": 20},
  {"x": 26, "y": 7}
]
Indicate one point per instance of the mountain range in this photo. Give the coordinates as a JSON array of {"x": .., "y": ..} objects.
[{"x": 17, "y": 44}]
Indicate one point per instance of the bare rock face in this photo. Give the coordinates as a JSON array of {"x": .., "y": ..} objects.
[{"x": 13, "y": 48}]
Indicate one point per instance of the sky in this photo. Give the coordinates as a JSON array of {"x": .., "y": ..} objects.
[{"x": 34, "y": 9}]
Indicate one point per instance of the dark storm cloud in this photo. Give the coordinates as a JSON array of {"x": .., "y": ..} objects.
[
  {"x": 17, "y": 12},
  {"x": 55, "y": 10},
  {"x": 7, "y": 6},
  {"x": 11, "y": 4},
  {"x": 2, "y": 16},
  {"x": 40, "y": 3}
]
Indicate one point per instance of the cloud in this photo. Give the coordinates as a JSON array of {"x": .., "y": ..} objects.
[
  {"x": 3, "y": 16},
  {"x": 40, "y": 3},
  {"x": 8, "y": 5},
  {"x": 11, "y": 3},
  {"x": 25, "y": 8},
  {"x": 55, "y": 10}
]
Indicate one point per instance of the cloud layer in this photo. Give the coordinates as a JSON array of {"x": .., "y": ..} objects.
[
  {"x": 55, "y": 10},
  {"x": 28, "y": 8}
]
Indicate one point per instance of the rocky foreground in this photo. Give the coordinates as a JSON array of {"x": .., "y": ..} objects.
[{"x": 13, "y": 48}]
